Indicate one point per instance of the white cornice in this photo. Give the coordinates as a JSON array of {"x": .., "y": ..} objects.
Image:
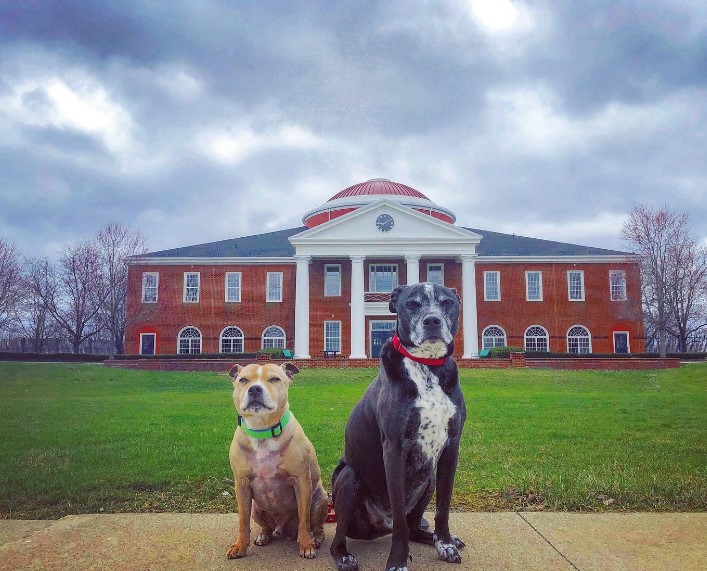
[
  {"x": 421, "y": 250},
  {"x": 208, "y": 261},
  {"x": 587, "y": 259},
  {"x": 318, "y": 234},
  {"x": 365, "y": 200}
]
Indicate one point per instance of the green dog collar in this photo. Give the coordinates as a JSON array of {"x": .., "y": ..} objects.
[{"x": 272, "y": 432}]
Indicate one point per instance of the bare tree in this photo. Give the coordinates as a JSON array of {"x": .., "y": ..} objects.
[
  {"x": 116, "y": 245},
  {"x": 10, "y": 273},
  {"x": 673, "y": 272},
  {"x": 33, "y": 319},
  {"x": 687, "y": 294},
  {"x": 72, "y": 292}
]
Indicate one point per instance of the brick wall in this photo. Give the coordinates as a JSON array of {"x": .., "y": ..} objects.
[
  {"x": 212, "y": 313},
  {"x": 556, "y": 313},
  {"x": 252, "y": 315}
]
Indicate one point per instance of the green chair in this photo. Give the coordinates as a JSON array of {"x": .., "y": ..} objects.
[
  {"x": 287, "y": 354},
  {"x": 484, "y": 352}
]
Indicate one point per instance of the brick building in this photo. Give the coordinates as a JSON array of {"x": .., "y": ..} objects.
[{"x": 324, "y": 287}]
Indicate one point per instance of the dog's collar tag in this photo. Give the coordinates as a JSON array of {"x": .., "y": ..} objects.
[
  {"x": 398, "y": 346},
  {"x": 262, "y": 433}
]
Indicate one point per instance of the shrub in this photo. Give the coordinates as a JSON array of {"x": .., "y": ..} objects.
[
  {"x": 274, "y": 353},
  {"x": 503, "y": 352}
]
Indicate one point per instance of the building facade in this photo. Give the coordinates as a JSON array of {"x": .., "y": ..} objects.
[{"x": 323, "y": 288}]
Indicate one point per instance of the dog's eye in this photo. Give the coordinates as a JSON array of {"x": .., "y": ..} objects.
[
  {"x": 274, "y": 380},
  {"x": 412, "y": 304},
  {"x": 243, "y": 380},
  {"x": 447, "y": 302}
]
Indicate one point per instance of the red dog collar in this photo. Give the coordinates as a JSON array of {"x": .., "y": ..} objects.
[{"x": 398, "y": 346}]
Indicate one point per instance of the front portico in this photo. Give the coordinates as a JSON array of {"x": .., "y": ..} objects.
[{"x": 381, "y": 231}]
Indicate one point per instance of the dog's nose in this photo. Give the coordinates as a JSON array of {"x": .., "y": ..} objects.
[
  {"x": 431, "y": 320},
  {"x": 255, "y": 391}
]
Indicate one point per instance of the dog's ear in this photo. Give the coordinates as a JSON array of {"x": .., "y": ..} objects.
[
  {"x": 394, "y": 296},
  {"x": 290, "y": 369},
  {"x": 234, "y": 371}
]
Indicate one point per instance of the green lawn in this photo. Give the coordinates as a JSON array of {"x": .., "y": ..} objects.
[{"x": 77, "y": 438}]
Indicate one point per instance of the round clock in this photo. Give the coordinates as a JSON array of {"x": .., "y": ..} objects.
[{"x": 385, "y": 222}]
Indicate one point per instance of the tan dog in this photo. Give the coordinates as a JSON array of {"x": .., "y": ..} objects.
[{"x": 274, "y": 463}]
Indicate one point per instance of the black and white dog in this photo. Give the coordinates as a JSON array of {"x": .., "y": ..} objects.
[{"x": 402, "y": 437}]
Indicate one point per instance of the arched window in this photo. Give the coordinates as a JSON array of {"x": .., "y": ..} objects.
[
  {"x": 493, "y": 336},
  {"x": 273, "y": 337},
  {"x": 579, "y": 340},
  {"x": 189, "y": 341},
  {"x": 231, "y": 340},
  {"x": 536, "y": 338}
]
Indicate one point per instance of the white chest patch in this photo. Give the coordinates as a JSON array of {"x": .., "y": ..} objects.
[{"x": 436, "y": 409}]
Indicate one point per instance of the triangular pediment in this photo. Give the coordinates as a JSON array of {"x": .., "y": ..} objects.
[{"x": 385, "y": 227}]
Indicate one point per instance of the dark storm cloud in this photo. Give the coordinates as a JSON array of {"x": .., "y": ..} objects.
[{"x": 190, "y": 119}]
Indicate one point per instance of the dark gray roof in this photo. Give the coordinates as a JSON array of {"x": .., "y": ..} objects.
[
  {"x": 270, "y": 245},
  {"x": 497, "y": 244},
  {"x": 276, "y": 244}
]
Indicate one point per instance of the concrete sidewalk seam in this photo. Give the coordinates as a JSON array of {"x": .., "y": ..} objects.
[{"x": 548, "y": 542}]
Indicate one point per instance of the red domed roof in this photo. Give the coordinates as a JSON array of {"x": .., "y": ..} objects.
[{"x": 378, "y": 186}]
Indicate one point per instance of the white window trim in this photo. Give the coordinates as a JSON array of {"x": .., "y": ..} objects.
[
  {"x": 498, "y": 282},
  {"x": 155, "y": 346},
  {"x": 628, "y": 340},
  {"x": 267, "y": 287},
  {"x": 625, "y": 296},
  {"x": 567, "y": 337},
  {"x": 198, "y": 287},
  {"x": 201, "y": 340},
  {"x": 569, "y": 289},
  {"x": 325, "y": 336},
  {"x": 483, "y": 334},
  {"x": 326, "y": 266},
  {"x": 527, "y": 297},
  {"x": 262, "y": 337},
  {"x": 220, "y": 339},
  {"x": 546, "y": 336},
  {"x": 240, "y": 287},
  {"x": 157, "y": 287},
  {"x": 440, "y": 264},
  {"x": 396, "y": 272}
]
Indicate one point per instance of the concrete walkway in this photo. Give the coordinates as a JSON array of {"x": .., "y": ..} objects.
[{"x": 525, "y": 541}]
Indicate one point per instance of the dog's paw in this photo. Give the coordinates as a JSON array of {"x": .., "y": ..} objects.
[
  {"x": 449, "y": 552},
  {"x": 318, "y": 540},
  {"x": 395, "y": 568},
  {"x": 262, "y": 539},
  {"x": 459, "y": 544},
  {"x": 346, "y": 563},
  {"x": 237, "y": 550},
  {"x": 307, "y": 550}
]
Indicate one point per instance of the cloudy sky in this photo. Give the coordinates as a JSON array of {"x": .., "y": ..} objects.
[{"x": 204, "y": 120}]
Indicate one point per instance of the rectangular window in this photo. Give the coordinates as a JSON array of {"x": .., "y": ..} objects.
[
  {"x": 332, "y": 336},
  {"x": 274, "y": 286},
  {"x": 233, "y": 286},
  {"x": 617, "y": 281},
  {"x": 332, "y": 280},
  {"x": 382, "y": 278},
  {"x": 435, "y": 273},
  {"x": 575, "y": 285},
  {"x": 492, "y": 286},
  {"x": 150, "y": 280},
  {"x": 533, "y": 286},
  {"x": 191, "y": 287}
]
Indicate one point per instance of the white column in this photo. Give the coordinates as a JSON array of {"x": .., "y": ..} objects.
[
  {"x": 469, "y": 318},
  {"x": 413, "y": 268},
  {"x": 302, "y": 307},
  {"x": 358, "y": 315}
]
